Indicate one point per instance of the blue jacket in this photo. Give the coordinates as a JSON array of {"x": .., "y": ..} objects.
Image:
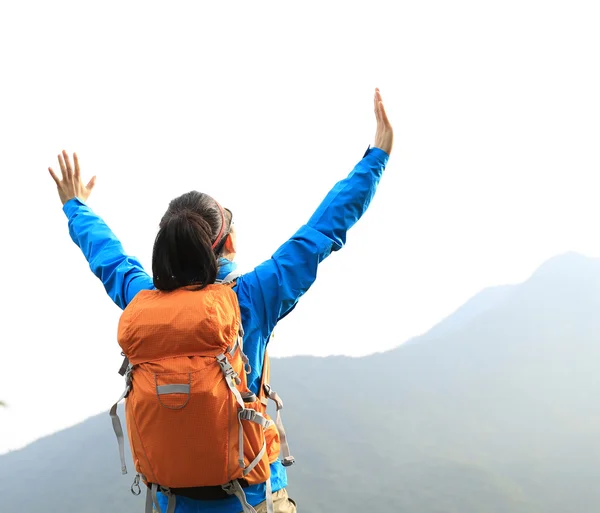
[{"x": 265, "y": 294}]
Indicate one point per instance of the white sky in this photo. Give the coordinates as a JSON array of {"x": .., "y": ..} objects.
[{"x": 265, "y": 105}]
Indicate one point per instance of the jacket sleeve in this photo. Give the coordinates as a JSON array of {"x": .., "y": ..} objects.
[
  {"x": 274, "y": 287},
  {"x": 122, "y": 275}
]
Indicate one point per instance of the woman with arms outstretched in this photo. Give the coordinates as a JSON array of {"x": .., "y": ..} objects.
[{"x": 195, "y": 333}]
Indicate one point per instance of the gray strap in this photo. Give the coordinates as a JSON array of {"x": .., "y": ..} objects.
[
  {"x": 155, "y": 498},
  {"x": 171, "y": 502},
  {"x": 230, "y": 277},
  {"x": 231, "y": 378},
  {"x": 235, "y": 346},
  {"x": 235, "y": 391},
  {"x": 118, "y": 428},
  {"x": 269, "y": 498},
  {"x": 152, "y": 499},
  {"x": 247, "y": 366},
  {"x": 288, "y": 459},
  {"x": 234, "y": 488},
  {"x": 255, "y": 461},
  {"x": 253, "y": 416},
  {"x": 173, "y": 389},
  {"x": 241, "y": 443},
  {"x": 148, "y": 501},
  {"x": 239, "y": 344}
]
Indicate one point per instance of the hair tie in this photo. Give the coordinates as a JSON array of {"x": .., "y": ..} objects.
[{"x": 218, "y": 239}]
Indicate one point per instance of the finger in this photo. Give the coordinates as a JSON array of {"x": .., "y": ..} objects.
[
  {"x": 91, "y": 183},
  {"x": 379, "y": 103},
  {"x": 383, "y": 115},
  {"x": 63, "y": 168},
  {"x": 76, "y": 162},
  {"x": 68, "y": 162},
  {"x": 376, "y": 99},
  {"x": 379, "y": 100},
  {"x": 54, "y": 177}
]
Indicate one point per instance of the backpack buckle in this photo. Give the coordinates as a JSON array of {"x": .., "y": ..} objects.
[
  {"x": 288, "y": 461},
  {"x": 124, "y": 365},
  {"x": 247, "y": 414},
  {"x": 128, "y": 380},
  {"x": 135, "y": 487},
  {"x": 227, "y": 369},
  {"x": 228, "y": 488}
]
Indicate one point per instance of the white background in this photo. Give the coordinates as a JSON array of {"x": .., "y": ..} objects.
[{"x": 265, "y": 105}]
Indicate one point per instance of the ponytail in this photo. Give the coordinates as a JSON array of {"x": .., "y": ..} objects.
[{"x": 183, "y": 253}]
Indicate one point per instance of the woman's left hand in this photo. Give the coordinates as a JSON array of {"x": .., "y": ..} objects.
[{"x": 71, "y": 185}]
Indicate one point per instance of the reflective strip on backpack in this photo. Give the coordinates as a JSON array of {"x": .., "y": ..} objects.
[{"x": 173, "y": 389}]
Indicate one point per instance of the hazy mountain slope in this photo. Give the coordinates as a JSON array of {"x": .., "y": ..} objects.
[{"x": 499, "y": 415}]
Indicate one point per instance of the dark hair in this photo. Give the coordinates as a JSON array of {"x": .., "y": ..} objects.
[{"x": 191, "y": 236}]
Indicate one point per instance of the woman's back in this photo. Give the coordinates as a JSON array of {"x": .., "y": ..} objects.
[{"x": 193, "y": 234}]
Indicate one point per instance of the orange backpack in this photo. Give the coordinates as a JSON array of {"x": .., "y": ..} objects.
[{"x": 193, "y": 424}]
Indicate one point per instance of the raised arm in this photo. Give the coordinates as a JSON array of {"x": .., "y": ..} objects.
[
  {"x": 122, "y": 275},
  {"x": 274, "y": 287}
]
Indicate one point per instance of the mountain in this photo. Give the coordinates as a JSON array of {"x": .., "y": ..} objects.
[
  {"x": 486, "y": 300},
  {"x": 495, "y": 413}
]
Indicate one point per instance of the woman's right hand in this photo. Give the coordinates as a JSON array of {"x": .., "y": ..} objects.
[
  {"x": 71, "y": 185},
  {"x": 384, "y": 135}
]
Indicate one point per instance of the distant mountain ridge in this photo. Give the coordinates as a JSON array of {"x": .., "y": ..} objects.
[
  {"x": 485, "y": 300},
  {"x": 494, "y": 410}
]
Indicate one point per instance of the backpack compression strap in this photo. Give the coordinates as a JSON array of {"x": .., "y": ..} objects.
[
  {"x": 248, "y": 414},
  {"x": 288, "y": 460},
  {"x": 152, "y": 499},
  {"x": 116, "y": 421},
  {"x": 234, "y": 488}
]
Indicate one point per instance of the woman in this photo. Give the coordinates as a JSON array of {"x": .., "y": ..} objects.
[{"x": 196, "y": 246}]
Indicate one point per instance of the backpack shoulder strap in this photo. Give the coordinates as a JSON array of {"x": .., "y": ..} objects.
[{"x": 230, "y": 278}]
